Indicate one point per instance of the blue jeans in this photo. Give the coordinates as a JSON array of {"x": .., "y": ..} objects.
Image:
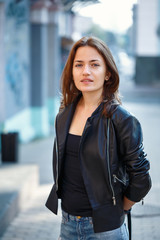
[{"x": 74, "y": 228}]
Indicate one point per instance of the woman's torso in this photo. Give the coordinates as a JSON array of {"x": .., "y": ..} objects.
[{"x": 74, "y": 197}]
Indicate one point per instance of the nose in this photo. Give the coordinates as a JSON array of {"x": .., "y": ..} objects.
[{"x": 86, "y": 70}]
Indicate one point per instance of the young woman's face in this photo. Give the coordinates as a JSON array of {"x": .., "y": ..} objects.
[{"x": 89, "y": 70}]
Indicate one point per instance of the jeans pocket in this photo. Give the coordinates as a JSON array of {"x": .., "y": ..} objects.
[
  {"x": 118, "y": 233},
  {"x": 124, "y": 232},
  {"x": 64, "y": 219}
]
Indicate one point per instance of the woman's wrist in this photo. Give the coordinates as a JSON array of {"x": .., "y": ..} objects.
[
  {"x": 127, "y": 204},
  {"x": 127, "y": 211}
]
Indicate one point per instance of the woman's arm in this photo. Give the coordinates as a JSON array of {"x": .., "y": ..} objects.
[
  {"x": 127, "y": 204},
  {"x": 130, "y": 143}
]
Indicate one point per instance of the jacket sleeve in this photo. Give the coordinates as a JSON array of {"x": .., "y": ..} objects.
[{"x": 130, "y": 141}]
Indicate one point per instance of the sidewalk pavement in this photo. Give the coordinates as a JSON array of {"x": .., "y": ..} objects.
[{"x": 34, "y": 221}]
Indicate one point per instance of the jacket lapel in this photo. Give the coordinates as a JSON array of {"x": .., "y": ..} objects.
[{"x": 63, "y": 122}]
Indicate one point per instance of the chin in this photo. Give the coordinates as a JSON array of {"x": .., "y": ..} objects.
[{"x": 85, "y": 89}]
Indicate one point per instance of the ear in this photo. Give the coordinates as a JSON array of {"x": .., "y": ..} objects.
[{"x": 108, "y": 75}]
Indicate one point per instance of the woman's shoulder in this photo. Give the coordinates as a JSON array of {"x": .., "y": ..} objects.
[
  {"x": 124, "y": 122},
  {"x": 122, "y": 111},
  {"x": 122, "y": 114}
]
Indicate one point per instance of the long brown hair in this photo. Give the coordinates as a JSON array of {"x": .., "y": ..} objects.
[{"x": 110, "y": 89}]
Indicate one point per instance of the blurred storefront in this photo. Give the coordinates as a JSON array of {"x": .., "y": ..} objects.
[
  {"x": 35, "y": 39},
  {"x": 15, "y": 67},
  {"x": 30, "y": 63},
  {"x": 147, "y": 41}
]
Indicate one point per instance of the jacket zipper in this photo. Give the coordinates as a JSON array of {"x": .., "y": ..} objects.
[
  {"x": 119, "y": 180},
  {"x": 109, "y": 170}
]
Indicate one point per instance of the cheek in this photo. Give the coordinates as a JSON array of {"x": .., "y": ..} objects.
[
  {"x": 101, "y": 75},
  {"x": 75, "y": 75}
]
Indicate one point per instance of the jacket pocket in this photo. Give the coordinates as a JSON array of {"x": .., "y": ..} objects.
[{"x": 123, "y": 181}]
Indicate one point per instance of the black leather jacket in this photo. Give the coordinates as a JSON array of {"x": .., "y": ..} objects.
[{"x": 108, "y": 149}]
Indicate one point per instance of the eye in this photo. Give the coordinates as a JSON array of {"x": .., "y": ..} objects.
[
  {"x": 78, "y": 65},
  {"x": 95, "y": 65}
]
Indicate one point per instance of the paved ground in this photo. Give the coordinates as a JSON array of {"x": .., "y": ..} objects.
[{"x": 36, "y": 222}]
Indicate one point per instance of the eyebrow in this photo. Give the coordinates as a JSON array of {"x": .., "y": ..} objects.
[{"x": 93, "y": 60}]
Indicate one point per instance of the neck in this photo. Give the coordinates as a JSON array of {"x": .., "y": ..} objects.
[{"x": 90, "y": 100}]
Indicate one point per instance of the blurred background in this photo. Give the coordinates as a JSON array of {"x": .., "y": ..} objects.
[{"x": 35, "y": 39}]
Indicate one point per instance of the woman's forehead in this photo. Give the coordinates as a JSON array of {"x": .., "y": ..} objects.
[{"x": 89, "y": 53}]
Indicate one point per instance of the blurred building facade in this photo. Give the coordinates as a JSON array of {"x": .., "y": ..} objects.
[
  {"x": 15, "y": 66},
  {"x": 146, "y": 39},
  {"x": 32, "y": 35},
  {"x": 35, "y": 39}
]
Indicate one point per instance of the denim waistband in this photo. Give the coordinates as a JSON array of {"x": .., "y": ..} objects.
[{"x": 75, "y": 218}]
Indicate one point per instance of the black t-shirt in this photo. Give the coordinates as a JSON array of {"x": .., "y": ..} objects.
[{"x": 73, "y": 193}]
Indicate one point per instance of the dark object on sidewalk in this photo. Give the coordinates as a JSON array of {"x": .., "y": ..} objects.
[
  {"x": 129, "y": 225},
  {"x": 9, "y": 142},
  {"x": 128, "y": 212}
]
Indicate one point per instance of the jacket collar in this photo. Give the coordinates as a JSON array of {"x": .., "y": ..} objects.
[
  {"x": 63, "y": 121},
  {"x": 64, "y": 118}
]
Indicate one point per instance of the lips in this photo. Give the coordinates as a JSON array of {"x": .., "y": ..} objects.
[{"x": 85, "y": 80}]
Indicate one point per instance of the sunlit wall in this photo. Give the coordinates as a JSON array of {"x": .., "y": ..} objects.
[
  {"x": 15, "y": 82},
  {"x": 148, "y": 42}
]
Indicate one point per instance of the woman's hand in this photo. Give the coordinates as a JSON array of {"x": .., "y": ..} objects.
[{"x": 127, "y": 204}]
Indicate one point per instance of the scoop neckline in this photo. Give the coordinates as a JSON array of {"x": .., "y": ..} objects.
[{"x": 75, "y": 135}]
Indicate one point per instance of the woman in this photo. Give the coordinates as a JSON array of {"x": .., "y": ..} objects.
[{"x": 98, "y": 143}]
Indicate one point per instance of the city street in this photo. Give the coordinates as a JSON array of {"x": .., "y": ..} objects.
[
  {"x": 36, "y": 222},
  {"x": 55, "y": 49}
]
